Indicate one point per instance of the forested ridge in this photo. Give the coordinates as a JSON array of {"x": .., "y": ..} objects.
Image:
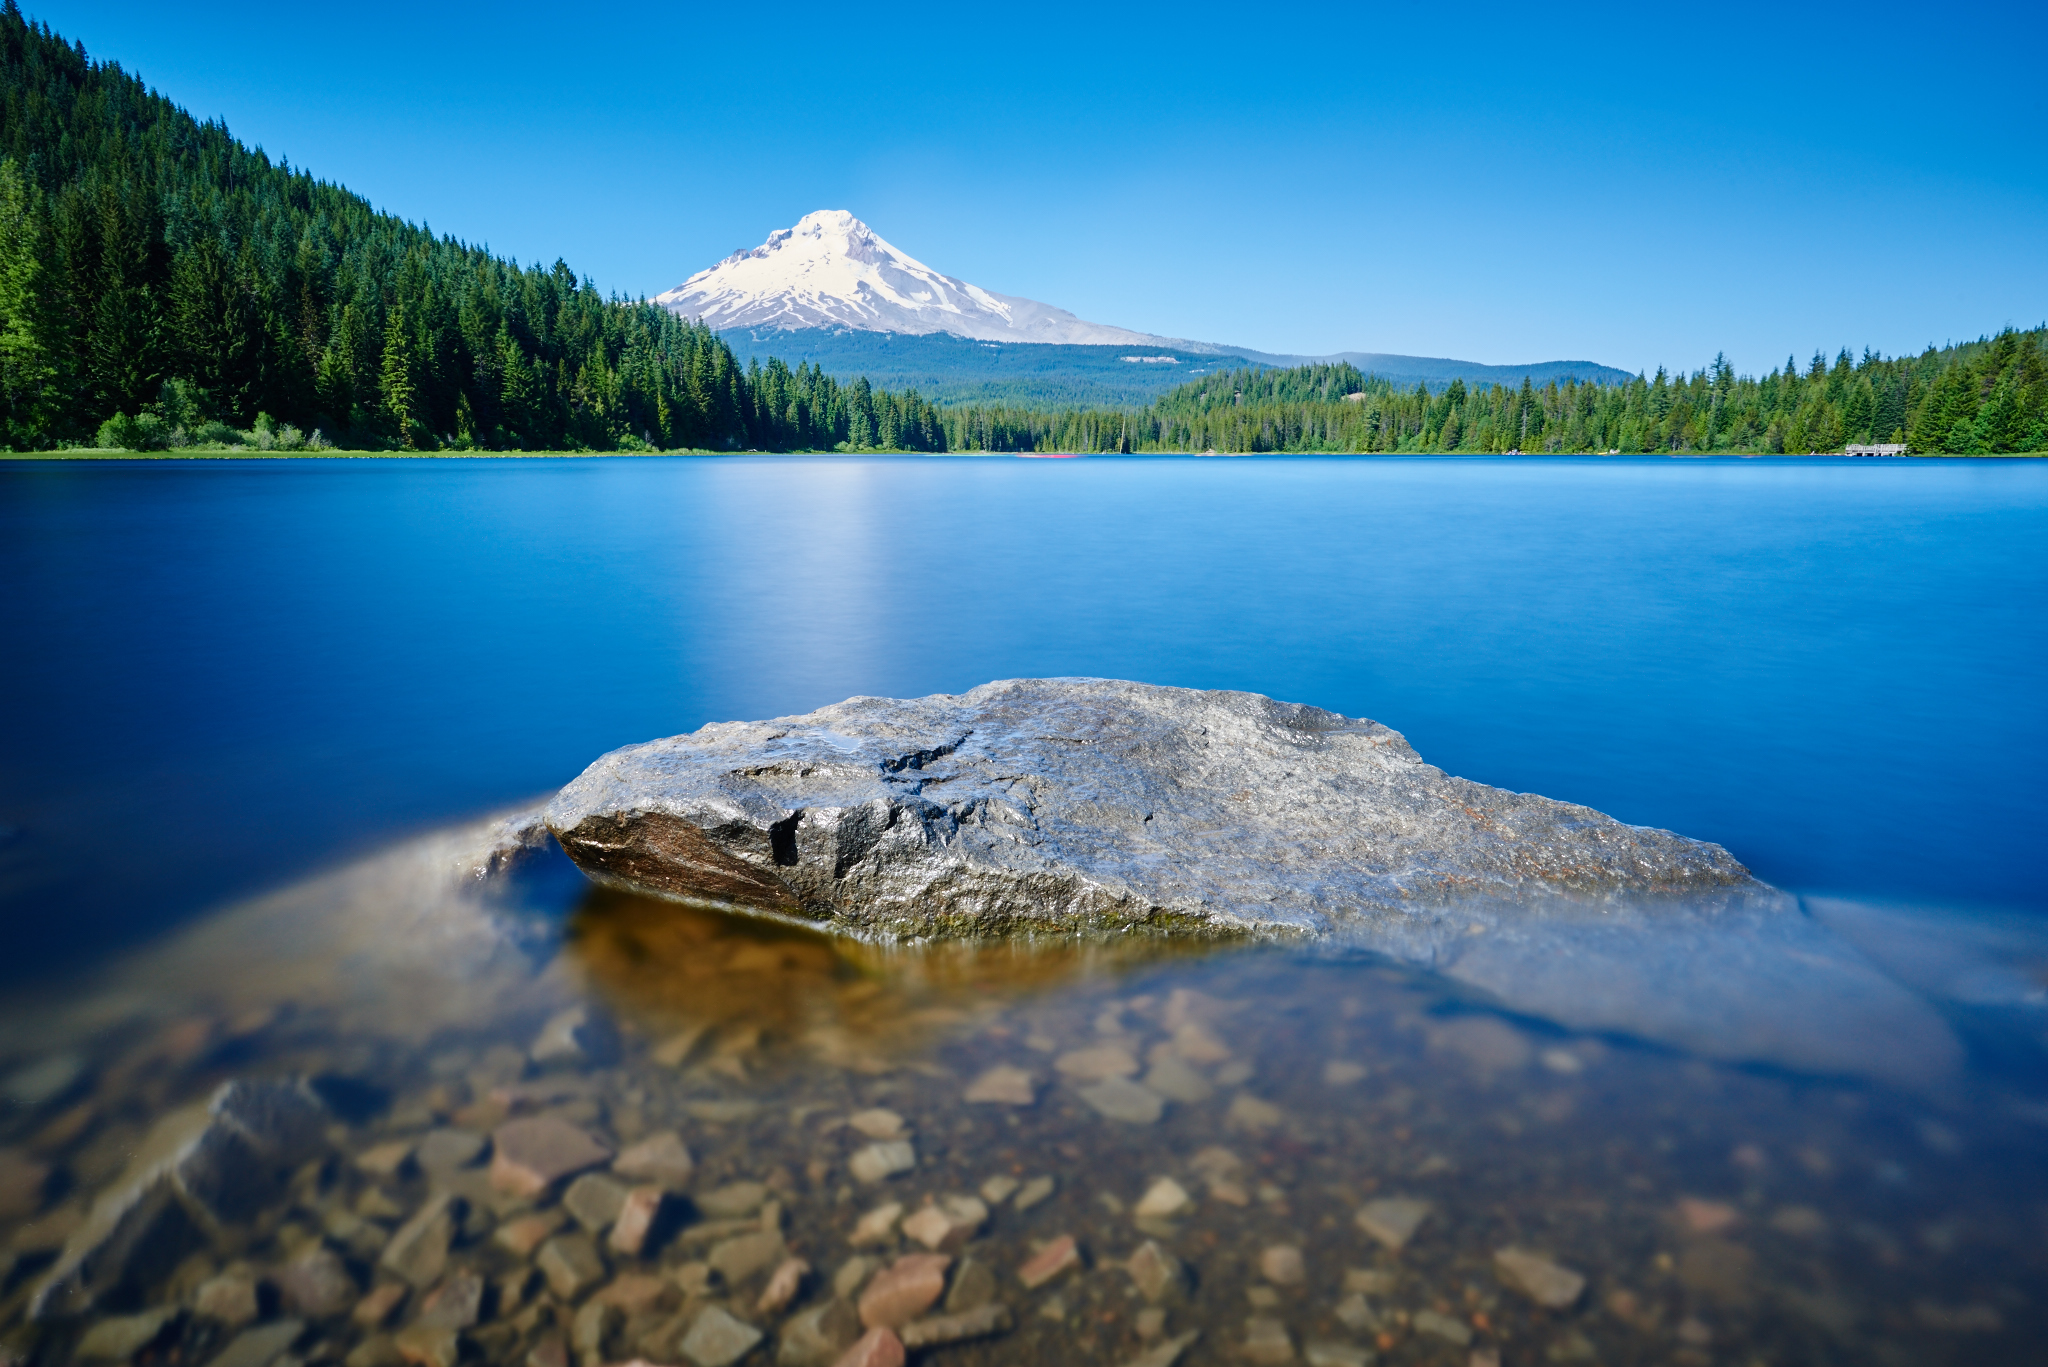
[
  {"x": 162, "y": 284},
  {"x": 1984, "y": 397}
]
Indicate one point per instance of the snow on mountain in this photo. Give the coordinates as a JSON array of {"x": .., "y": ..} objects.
[{"x": 832, "y": 270}]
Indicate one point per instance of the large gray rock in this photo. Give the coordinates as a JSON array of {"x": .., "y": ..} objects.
[
  {"x": 1069, "y": 804},
  {"x": 200, "y": 1169}
]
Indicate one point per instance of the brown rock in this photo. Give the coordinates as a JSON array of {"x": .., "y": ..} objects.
[
  {"x": 717, "y": 1339},
  {"x": 22, "y": 1181},
  {"x": 551, "y": 1351},
  {"x": 1157, "y": 1273},
  {"x": 740, "y": 1258},
  {"x": 904, "y": 1290},
  {"x": 1706, "y": 1217},
  {"x": 531, "y": 1155},
  {"x": 1097, "y": 1063},
  {"x": 315, "y": 1284},
  {"x": 571, "y": 1265},
  {"x": 979, "y": 1323},
  {"x": 595, "y": 1321},
  {"x": 948, "y": 1223},
  {"x": 1163, "y": 1200},
  {"x": 386, "y": 1160},
  {"x": 1253, "y": 1116},
  {"x": 636, "y": 1293},
  {"x": 877, "y": 1122},
  {"x": 418, "y": 1252},
  {"x": 783, "y": 1284},
  {"x": 1049, "y": 1262},
  {"x": 1032, "y": 1192},
  {"x": 1538, "y": 1278},
  {"x": 374, "y": 1310},
  {"x": 879, "y": 1347},
  {"x": 523, "y": 1235},
  {"x": 1266, "y": 1342},
  {"x": 818, "y": 1336},
  {"x": 1282, "y": 1265},
  {"x": 229, "y": 1298},
  {"x": 639, "y": 1218},
  {"x": 1392, "y": 1220},
  {"x": 1003, "y": 1085},
  {"x": 878, "y": 1226},
  {"x": 1165, "y": 1354},
  {"x": 974, "y": 1285},
  {"x": 428, "y": 1345},
  {"x": 594, "y": 1200},
  {"x": 446, "y": 1150},
  {"x": 659, "y": 1158},
  {"x": 733, "y": 1200},
  {"x": 456, "y": 1303},
  {"x": 117, "y": 1338},
  {"x": 883, "y": 1160}
]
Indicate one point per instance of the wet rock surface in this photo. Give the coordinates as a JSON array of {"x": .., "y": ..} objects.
[{"x": 1090, "y": 804}]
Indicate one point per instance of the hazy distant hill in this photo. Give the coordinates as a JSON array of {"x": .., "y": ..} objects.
[{"x": 956, "y": 370}]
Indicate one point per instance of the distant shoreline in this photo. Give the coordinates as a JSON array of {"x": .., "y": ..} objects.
[{"x": 51, "y": 457}]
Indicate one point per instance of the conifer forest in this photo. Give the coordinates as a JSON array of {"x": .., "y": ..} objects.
[{"x": 163, "y": 285}]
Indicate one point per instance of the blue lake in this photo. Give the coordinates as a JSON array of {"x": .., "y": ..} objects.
[
  {"x": 260, "y": 713},
  {"x": 225, "y": 673}
]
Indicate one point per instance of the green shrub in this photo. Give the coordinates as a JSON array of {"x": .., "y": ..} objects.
[{"x": 144, "y": 432}]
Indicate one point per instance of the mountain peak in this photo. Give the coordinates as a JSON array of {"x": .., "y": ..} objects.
[{"x": 833, "y": 270}]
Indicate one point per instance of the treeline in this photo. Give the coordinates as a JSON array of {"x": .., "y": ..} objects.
[
  {"x": 1983, "y": 397},
  {"x": 161, "y": 283}
]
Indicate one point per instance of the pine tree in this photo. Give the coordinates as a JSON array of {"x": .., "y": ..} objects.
[{"x": 26, "y": 375}]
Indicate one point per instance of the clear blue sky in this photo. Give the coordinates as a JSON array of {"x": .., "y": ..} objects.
[{"x": 1635, "y": 185}]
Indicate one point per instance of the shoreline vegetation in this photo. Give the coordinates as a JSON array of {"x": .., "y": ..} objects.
[
  {"x": 338, "y": 453},
  {"x": 164, "y": 287}
]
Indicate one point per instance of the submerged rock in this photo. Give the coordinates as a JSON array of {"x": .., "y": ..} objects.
[
  {"x": 1069, "y": 804},
  {"x": 202, "y": 1168}
]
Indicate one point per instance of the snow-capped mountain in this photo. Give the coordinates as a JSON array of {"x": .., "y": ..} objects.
[{"x": 833, "y": 271}]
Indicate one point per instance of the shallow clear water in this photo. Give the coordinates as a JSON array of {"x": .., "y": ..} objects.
[{"x": 1817, "y": 1141}]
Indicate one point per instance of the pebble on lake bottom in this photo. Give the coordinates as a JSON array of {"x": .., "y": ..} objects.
[
  {"x": 879, "y": 1347},
  {"x": 1282, "y": 1265},
  {"x": 904, "y": 1290},
  {"x": 1440, "y": 1325},
  {"x": 1538, "y": 1278},
  {"x": 1049, "y": 1262},
  {"x": 1003, "y": 1085},
  {"x": 717, "y": 1338},
  {"x": 1266, "y": 1341},
  {"x": 878, "y": 1162},
  {"x": 877, "y": 1226},
  {"x": 1165, "y": 1354},
  {"x": 1156, "y": 1273},
  {"x": 1119, "y": 1098},
  {"x": 1163, "y": 1200},
  {"x": 529, "y": 1156},
  {"x": 661, "y": 1158},
  {"x": 1392, "y": 1220}
]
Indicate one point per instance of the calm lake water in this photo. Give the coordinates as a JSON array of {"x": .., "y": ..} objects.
[{"x": 257, "y": 711}]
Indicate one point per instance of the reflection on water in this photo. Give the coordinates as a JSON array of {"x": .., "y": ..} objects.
[{"x": 1520, "y": 1146}]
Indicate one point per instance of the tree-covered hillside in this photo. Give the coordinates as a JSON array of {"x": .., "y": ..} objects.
[
  {"x": 1988, "y": 396},
  {"x": 157, "y": 273}
]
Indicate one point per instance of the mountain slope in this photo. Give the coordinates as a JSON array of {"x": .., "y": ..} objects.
[
  {"x": 832, "y": 270},
  {"x": 953, "y": 370}
]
